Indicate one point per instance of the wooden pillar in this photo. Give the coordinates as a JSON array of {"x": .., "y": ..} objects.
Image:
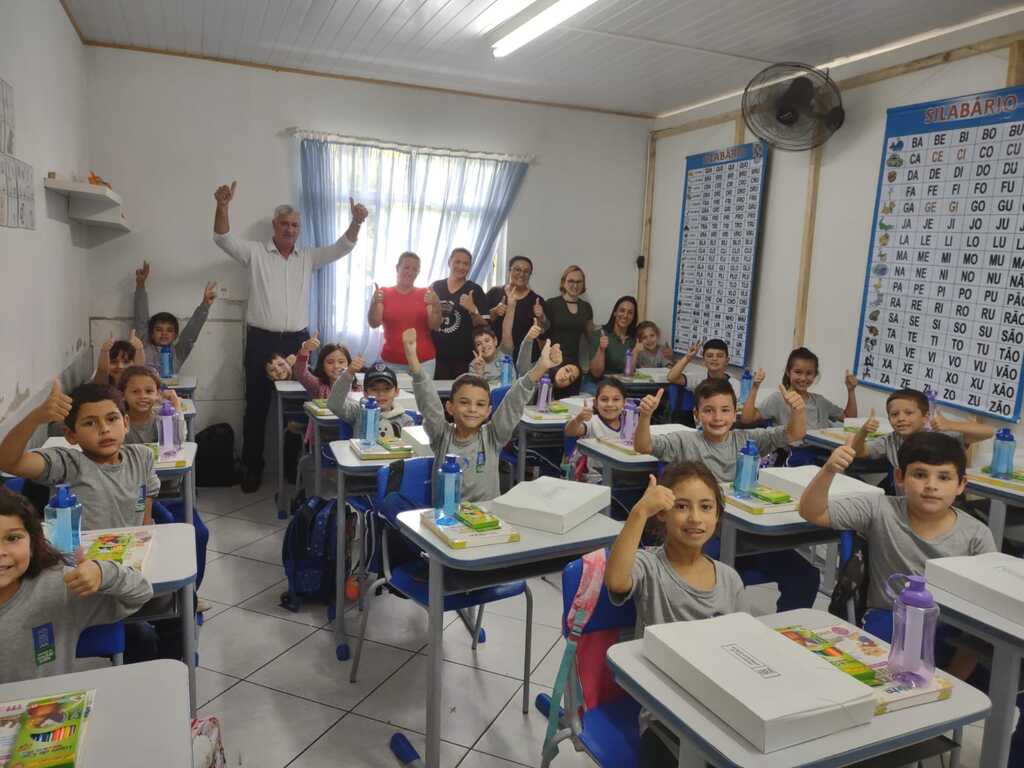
[
  {"x": 741, "y": 130},
  {"x": 1015, "y": 70},
  {"x": 803, "y": 285},
  {"x": 645, "y": 234}
]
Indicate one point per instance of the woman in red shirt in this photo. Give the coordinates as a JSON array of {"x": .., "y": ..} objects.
[{"x": 406, "y": 306}]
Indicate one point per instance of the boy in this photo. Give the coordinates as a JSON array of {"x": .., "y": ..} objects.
[
  {"x": 116, "y": 483},
  {"x": 380, "y": 383},
  {"x": 486, "y": 355},
  {"x": 647, "y": 353},
  {"x": 715, "y": 355},
  {"x": 469, "y": 405},
  {"x": 903, "y": 531},
  {"x": 115, "y": 356},
  {"x": 278, "y": 367},
  {"x": 718, "y": 446},
  {"x": 161, "y": 330}
]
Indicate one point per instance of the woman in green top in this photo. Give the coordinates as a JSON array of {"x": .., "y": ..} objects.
[
  {"x": 608, "y": 353},
  {"x": 570, "y": 318}
]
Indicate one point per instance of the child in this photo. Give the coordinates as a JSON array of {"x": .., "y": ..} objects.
[
  {"x": 487, "y": 354},
  {"x": 478, "y": 443},
  {"x": 116, "y": 483},
  {"x": 115, "y": 356},
  {"x": 801, "y": 373},
  {"x": 647, "y": 353},
  {"x": 380, "y": 383},
  {"x": 161, "y": 330},
  {"x": 717, "y": 446},
  {"x": 333, "y": 359},
  {"x": 610, "y": 402},
  {"x": 676, "y": 581},
  {"x": 45, "y": 604},
  {"x": 715, "y": 355},
  {"x": 279, "y": 367},
  {"x": 565, "y": 378}
]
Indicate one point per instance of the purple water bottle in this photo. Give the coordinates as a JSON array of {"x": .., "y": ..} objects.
[
  {"x": 914, "y": 618},
  {"x": 629, "y": 419},
  {"x": 544, "y": 394},
  {"x": 167, "y": 431},
  {"x": 630, "y": 367}
]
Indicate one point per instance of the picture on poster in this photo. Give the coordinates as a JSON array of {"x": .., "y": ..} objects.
[
  {"x": 943, "y": 303},
  {"x": 719, "y": 237},
  {"x": 6, "y": 118},
  {"x": 17, "y": 193}
]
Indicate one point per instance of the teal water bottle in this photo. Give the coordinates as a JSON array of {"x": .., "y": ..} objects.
[
  {"x": 1003, "y": 451},
  {"x": 371, "y": 418},
  {"x": 746, "y": 384},
  {"x": 166, "y": 362},
  {"x": 747, "y": 466},
  {"x": 58, "y": 520},
  {"x": 448, "y": 490}
]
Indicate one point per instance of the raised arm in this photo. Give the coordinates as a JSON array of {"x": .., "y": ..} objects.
[
  {"x": 344, "y": 244},
  {"x": 506, "y": 416},
  {"x": 194, "y": 326},
  {"x": 508, "y": 321},
  {"x": 813, "y": 505},
  {"x": 751, "y": 414},
  {"x": 224, "y": 195},
  {"x": 797, "y": 426},
  {"x": 618, "y": 570},
  {"x": 339, "y": 402},
  {"x": 141, "y": 319},
  {"x": 375, "y": 317},
  {"x": 972, "y": 431},
  {"x": 577, "y": 425},
  {"x": 102, "y": 375},
  {"x": 642, "y": 436},
  {"x": 860, "y": 438},
  {"x": 676, "y": 373},
  {"x": 524, "y": 360},
  {"x": 850, "y": 411},
  {"x": 433, "y": 309},
  {"x": 300, "y": 371},
  {"x": 14, "y": 459},
  {"x": 597, "y": 361},
  {"x": 427, "y": 401},
  {"x": 107, "y": 591}
]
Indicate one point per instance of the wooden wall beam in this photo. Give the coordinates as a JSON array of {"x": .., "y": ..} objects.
[
  {"x": 1015, "y": 69},
  {"x": 645, "y": 233},
  {"x": 803, "y": 285},
  {"x": 741, "y": 130}
]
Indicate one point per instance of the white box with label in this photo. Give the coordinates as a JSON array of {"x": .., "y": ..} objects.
[
  {"x": 993, "y": 581},
  {"x": 772, "y": 691},
  {"x": 550, "y": 504},
  {"x": 794, "y": 481}
]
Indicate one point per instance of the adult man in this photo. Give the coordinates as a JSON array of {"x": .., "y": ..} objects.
[{"x": 278, "y": 310}]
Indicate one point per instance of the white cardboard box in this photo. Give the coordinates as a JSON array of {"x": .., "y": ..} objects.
[
  {"x": 794, "y": 481},
  {"x": 993, "y": 581},
  {"x": 772, "y": 691},
  {"x": 549, "y": 504}
]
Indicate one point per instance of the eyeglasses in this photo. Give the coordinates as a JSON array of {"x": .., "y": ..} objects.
[
  {"x": 574, "y": 282},
  {"x": 520, "y": 271}
]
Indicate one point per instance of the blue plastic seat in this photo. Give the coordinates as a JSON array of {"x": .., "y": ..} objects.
[{"x": 102, "y": 641}]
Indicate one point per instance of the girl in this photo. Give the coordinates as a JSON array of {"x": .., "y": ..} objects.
[
  {"x": 608, "y": 354},
  {"x": 565, "y": 378},
  {"x": 333, "y": 359},
  {"x": 647, "y": 353},
  {"x": 610, "y": 401},
  {"x": 45, "y": 604},
  {"x": 675, "y": 581},
  {"x": 801, "y": 373}
]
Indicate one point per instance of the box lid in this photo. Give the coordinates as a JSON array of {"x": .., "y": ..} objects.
[{"x": 554, "y": 496}]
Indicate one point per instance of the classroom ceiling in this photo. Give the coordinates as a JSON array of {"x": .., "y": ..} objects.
[{"x": 636, "y": 56}]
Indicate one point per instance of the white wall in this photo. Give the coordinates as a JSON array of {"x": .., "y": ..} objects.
[
  {"x": 43, "y": 306},
  {"x": 167, "y": 130}
]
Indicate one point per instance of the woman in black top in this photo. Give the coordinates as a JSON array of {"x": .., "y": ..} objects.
[
  {"x": 461, "y": 302},
  {"x": 570, "y": 318},
  {"x": 528, "y": 304}
]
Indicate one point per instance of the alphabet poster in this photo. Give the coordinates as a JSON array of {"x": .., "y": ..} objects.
[
  {"x": 943, "y": 303},
  {"x": 718, "y": 242}
]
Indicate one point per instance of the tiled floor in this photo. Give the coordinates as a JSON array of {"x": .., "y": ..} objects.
[{"x": 283, "y": 700}]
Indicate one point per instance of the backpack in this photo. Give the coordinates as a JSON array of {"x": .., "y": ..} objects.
[
  {"x": 310, "y": 552},
  {"x": 850, "y": 592},
  {"x": 216, "y": 463}
]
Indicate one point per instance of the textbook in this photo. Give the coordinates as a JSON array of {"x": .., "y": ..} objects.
[
  {"x": 764, "y": 500},
  {"x": 385, "y": 448},
  {"x": 318, "y": 407},
  {"x": 45, "y": 732},
  {"x": 559, "y": 413},
  {"x": 460, "y": 536},
  {"x": 127, "y": 549}
]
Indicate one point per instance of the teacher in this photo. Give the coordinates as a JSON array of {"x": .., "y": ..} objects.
[
  {"x": 406, "y": 306},
  {"x": 526, "y": 305},
  {"x": 277, "y": 315},
  {"x": 460, "y": 300}
]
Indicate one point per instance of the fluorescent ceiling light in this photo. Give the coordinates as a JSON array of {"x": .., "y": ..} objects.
[
  {"x": 533, "y": 28},
  {"x": 498, "y": 13}
]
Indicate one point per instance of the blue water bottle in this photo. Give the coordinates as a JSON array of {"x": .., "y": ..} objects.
[
  {"x": 167, "y": 362},
  {"x": 76, "y": 520},
  {"x": 371, "y": 417},
  {"x": 746, "y": 384},
  {"x": 58, "y": 520},
  {"x": 506, "y": 370},
  {"x": 448, "y": 490},
  {"x": 747, "y": 466},
  {"x": 1003, "y": 452}
]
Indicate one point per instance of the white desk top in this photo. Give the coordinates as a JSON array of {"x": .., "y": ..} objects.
[
  {"x": 978, "y": 617},
  {"x": 347, "y": 459},
  {"x": 140, "y": 717},
  {"x": 180, "y": 382},
  {"x": 188, "y": 454},
  {"x": 682, "y": 713},
  {"x": 547, "y": 420},
  {"x": 593, "y": 533},
  {"x": 615, "y": 456},
  {"x": 171, "y": 562},
  {"x": 289, "y": 388}
]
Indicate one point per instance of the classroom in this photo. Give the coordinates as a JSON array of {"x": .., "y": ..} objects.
[{"x": 504, "y": 383}]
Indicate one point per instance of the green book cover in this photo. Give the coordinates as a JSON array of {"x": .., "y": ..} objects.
[
  {"x": 111, "y": 546},
  {"x": 51, "y": 731}
]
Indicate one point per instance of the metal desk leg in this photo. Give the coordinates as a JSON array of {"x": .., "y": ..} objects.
[
  {"x": 997, "y": 521},
  {"x": 521, "y": 454},
  {"x": 188, "y": 642},
  {"x": 727, "y": 554},
  {"x": 1002, "y": 690},
  {"x": 190, "y": 494},
  {"x": 317, "y": 480},
  {"x": 435, "y": 692},
  {"x": 340, "y": 639},
  {"x": 282, "y": 508}
]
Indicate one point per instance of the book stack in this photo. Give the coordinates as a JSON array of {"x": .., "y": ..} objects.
[
  {"x": 762, "y": 500},
  {"x": 318, "y": 407},
  {"x": 475, "y": 528},
  {"x": 129, "y": 549},
  {"x": 45, "y": 732},
  {"x": 386, "y": 448}
]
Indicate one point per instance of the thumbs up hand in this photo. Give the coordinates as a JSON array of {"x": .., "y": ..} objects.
[
  {"x": 359, "y": 212},
  {"x": 656, "y": 498},
  {"x": 312, "y": 343},
  {"x": 792, "y": 398},
  {"x": 871, "y": 425},
  {"x": 56, "y": 407},
  {"x": 841, "y": 458},
  {"x": 538, "y": 310}
]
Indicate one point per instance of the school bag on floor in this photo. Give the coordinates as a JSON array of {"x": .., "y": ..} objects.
[
  {"x": 310, "y": 553},
  {"x": 216, "y": 463}
]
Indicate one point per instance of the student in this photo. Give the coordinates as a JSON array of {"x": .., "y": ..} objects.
[
  {"x": 676, "y": 581},
  {"x": 380, "y": 383},
  {"x": 609, "y": 402},
  {"x": 715, "y": 356},
  {"x": 648, "y": 352},
  {"x": 332, "y": 360},
  {"x": 472, "y": 437},
  {"x": 278, "y": 367},
  {"x": 161, "y": 330},
  {"x": 45, "y": 603},
  {"x": 115, "y": 356},
  {"x": 114, "y": 482},
  {"x": 565, "y": 378},
  {"x": 487, "y": 354},
  {"x": 801, "y": 373},
  {"x": 717, "y": 445}
]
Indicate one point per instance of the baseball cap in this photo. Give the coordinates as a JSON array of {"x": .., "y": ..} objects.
[{"x": 380, "y": 372}]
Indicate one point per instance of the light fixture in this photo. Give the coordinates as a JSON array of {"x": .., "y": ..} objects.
[
  {"x": 498, "y": 13},
  {"x": 526, "y": 30}
]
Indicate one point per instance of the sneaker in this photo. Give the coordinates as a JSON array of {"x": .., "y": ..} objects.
[
  {"x": 251, "y": 482},
  {"x": 202, "y": 605}
]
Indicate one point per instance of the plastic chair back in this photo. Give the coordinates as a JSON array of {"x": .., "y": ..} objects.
[
  {"x": 101, "y": 641},
  {"x": 497, "y": 395},
  {"x": 415, "y": 482}
]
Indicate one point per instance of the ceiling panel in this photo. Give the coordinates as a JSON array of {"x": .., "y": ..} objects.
[{"x": 638, "y": 56}]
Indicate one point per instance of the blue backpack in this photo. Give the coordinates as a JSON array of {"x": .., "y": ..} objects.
[{"x": 310, "y": 553}]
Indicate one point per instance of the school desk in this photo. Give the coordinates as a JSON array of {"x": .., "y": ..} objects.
[
  {"x": 140, "y": 716},
  {"x": 532, "y": 422},
  {"x": 180, "y": 466},
  {"x": 350, "y": 465},
  {"x": 537, "y": 552},
  {"x": 613, "y": 458},
  {"x": 704, "y": 738},
  {"x": 284, "y": 391},
  {"x": 185, "y": 386},
  {"x": 188, "y": 410}
]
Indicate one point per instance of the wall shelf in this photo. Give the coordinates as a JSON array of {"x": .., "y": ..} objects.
[{"x": 92, "y": 204}]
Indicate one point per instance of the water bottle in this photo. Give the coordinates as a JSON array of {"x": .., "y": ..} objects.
[
  {"x": 448, "y": 490},
  {"x": 544, "y": 394},
  {"x": 58, "y": 520},
  {"x": 630, "y": 363},
  {"x": 1003, "y": 451},
  {"x": 930, "y": 421},
  {"x": 371, "y": 417},
  {"x": 167, "y": 362},
  {"x": 746, "y": 384},
  {"x": 629, "y": 419},
  {"x": 76, "y": 520},
  {"x": 167, "y": 430},
  {"x": 506, "y": 370},
  {"x": 747, "y": 465},
  {"x": 914, "y": 618}
]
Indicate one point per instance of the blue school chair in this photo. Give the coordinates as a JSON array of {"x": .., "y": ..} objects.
[
  {"x": 102, "y": 641},
  {"x": 497, "y": 395},
  {"x": 409, "y": 577}
]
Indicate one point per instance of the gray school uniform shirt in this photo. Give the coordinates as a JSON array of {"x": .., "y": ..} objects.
[
  {"x": 40, "y": 624},
  {"x": 894, "y": 547},
  {"x": 389, "y": 423},
  {"x": 481, "y": 451},
  {"x": 655, "y": 359},
  {"x": 186, "y": 339},
  {"x": 110, "y": 493},
  {"x": 720, "y": 458},
  {"x": 140, "y": 434},
  {"x": 820, "y": 412},
  {"x": 888, "y": 447}
]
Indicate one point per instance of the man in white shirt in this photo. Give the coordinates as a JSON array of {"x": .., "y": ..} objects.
[{"x": 278, "y": 311}]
